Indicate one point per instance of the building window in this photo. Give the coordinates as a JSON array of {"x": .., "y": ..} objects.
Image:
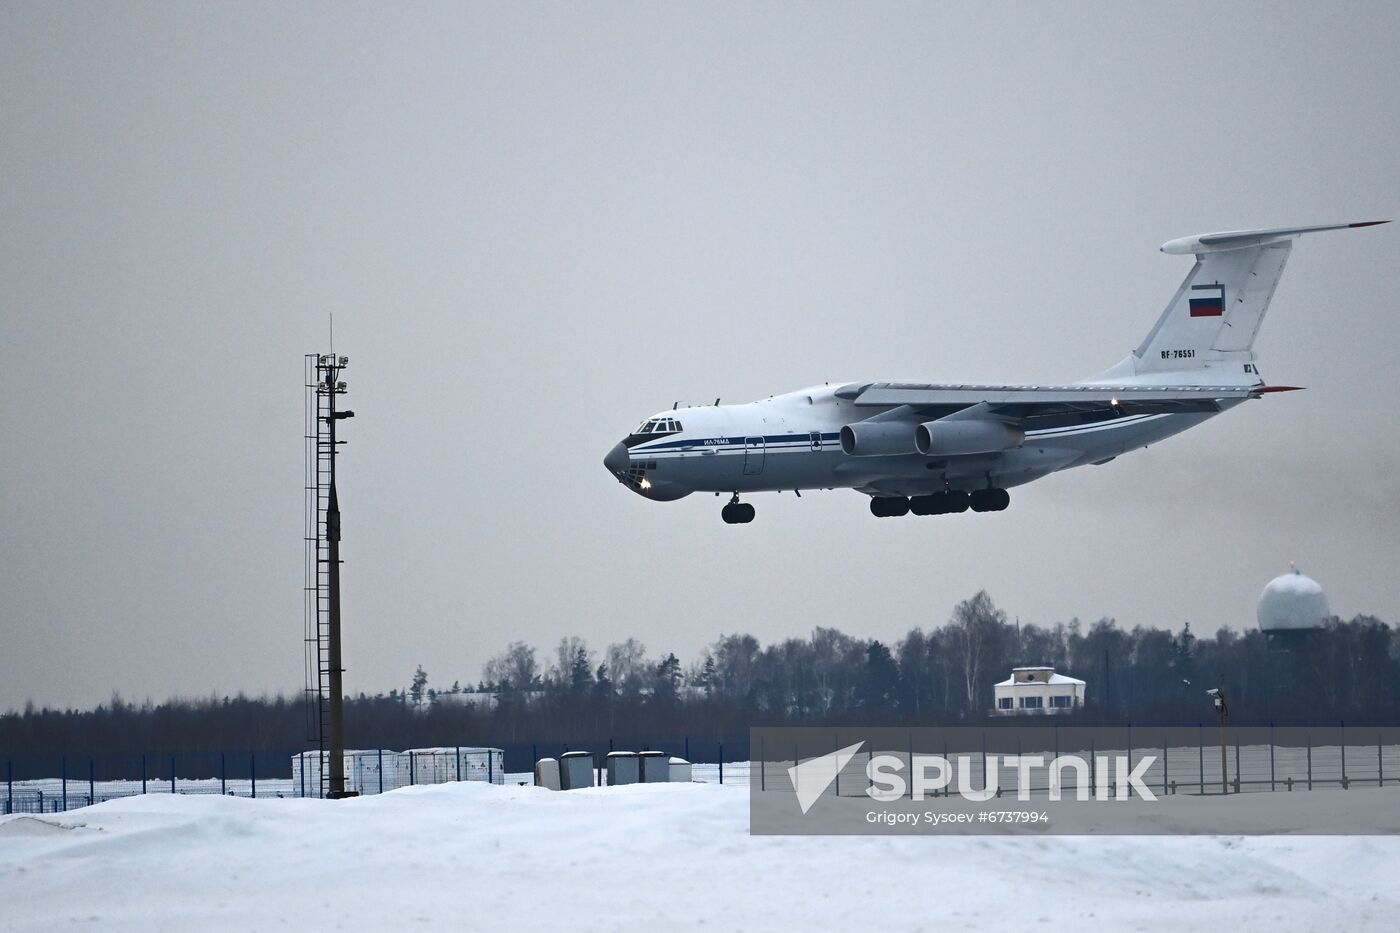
[
  {"x": 1003, "y": 702},
  {"x": 1063, "y": 702},
  {"x": 1031, "y": 702}
]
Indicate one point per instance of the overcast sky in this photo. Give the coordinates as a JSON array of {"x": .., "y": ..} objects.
[{"x": 537, "y": 224}]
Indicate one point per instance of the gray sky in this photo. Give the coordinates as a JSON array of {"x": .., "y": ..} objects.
[{"x": 538, "y": 224}]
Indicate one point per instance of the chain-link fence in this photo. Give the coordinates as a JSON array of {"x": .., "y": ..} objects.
[
  {"x": 31, "y": 787},
  {"x": 1183, "y": 760}
]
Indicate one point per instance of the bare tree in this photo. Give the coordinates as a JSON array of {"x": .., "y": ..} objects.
[
  {"x": 516, "y": 667},
  {"x": 566, "y": 657},
  {"x": 627, "y": 664},
  {"x": 977, "y": 633}
]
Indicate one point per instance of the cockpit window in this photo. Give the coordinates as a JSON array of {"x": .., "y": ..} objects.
[{"x": 658, "y": 426}]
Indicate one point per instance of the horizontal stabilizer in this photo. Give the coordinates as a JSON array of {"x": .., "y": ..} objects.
[{"x": 1241, "y": 239}]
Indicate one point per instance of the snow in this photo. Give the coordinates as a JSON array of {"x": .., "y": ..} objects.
[
  {"x": 1052, "y": 679},
  {"x": 521, "y": 858}
]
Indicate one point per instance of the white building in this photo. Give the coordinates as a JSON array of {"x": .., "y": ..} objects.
[{"x": 1031, "y": 690}]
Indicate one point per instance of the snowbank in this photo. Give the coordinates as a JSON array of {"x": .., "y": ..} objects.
[{"x": 519, "y": 858}]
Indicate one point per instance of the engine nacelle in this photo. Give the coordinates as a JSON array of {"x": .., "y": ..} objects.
[
  {"x": 957, "y": 438},
  {"x": 877, "y": 438}
]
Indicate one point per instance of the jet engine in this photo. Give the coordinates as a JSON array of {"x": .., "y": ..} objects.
[
  {"x": 878, "y": 438},
  {"x": 947, "y": 438}
]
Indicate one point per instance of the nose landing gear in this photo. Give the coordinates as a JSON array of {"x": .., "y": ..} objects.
[{"x": 736, "y": 512}]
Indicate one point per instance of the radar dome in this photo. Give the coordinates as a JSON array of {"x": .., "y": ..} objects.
[{"x": 1293, "y": 603}]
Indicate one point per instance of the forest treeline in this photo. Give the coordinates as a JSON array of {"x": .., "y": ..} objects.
[{"x": 1349, "y": 670}]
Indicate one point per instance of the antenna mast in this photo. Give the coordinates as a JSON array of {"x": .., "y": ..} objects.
[{"x": 324, "y": 668}]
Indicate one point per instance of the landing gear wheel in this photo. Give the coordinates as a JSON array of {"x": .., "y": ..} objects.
[
  {"x": 888, "y": 506},
  {"x": 737, "y": 513},
  {"x": 933, "y": 504},
  {"x": 990, "y": 500},
  {"x": 956, "y": 501}
]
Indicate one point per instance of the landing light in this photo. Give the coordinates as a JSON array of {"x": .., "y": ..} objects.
[
  {"x": 646, "y": 483},
  {"x": 1113, "y": 402}
]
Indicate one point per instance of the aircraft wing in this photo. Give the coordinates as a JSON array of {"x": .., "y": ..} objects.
[{"x": 1022, "y": 401}]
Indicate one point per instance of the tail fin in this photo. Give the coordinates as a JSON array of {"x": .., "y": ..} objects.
[{"x": 1211, "y": 322}]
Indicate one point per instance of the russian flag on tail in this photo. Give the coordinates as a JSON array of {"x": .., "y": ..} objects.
[{"x": 1207, "y": 300}]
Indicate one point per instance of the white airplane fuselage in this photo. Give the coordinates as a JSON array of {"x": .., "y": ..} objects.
[{"x": 792, "y": 442}]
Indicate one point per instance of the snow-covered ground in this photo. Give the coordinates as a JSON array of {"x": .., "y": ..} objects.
[{"x": 676, "y": 856}]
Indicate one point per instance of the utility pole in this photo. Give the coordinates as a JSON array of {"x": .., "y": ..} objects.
[{"x": 1223, "y": 709}]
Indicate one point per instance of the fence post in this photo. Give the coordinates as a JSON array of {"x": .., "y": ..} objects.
[
  {"x": 379, "y": 757},
  {"x": 1344, "y": 755},
  {"x": 491, "y": 766},
  {"x": 223, "y": 774},
  {"x": 92, "y": 782},
  {"x": 64, "y": 768},
  {"x": 1201, "y": 748},
  {"x": 721, "y": 762},
  {"x": 1164, "y": 766},
  {"x": 172, "y": 774},
  {"x": 412, "y": 773},
  {"x": 1130, "y": 754},
  {"x": 909, "y": 738},
  {"x": 1239, "y": 778},
  {"x": 1093, "y": 771},
  {"x": 1380, "y": 764},
  {"x": 253, "y": 772},
  {"x": 459, "y": 762},
  {"x": 143, "y": 772},
  {"x": 763, "y": 769},
  {"x": 10, "y": 785},
  {"x": 301, "y": 758},
  {"x": 985, "y": 783},
  {"x": 1271, "y": 755},
  {"x": 1309, "y": 761}
]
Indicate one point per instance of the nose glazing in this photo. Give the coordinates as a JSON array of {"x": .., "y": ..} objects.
[{"x": 616, "y": 459}]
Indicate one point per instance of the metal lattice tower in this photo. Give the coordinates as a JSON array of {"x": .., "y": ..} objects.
[{"x": 324, "y": 692}]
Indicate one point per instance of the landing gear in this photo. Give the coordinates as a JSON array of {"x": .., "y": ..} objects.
[
  {"x": 889, "y": 506},
  {"x": 946, "y": 503},
  {"x": 939, "y": 503},
  {"x": 990, "y": 500},
  {"x": 736, "y": 512}
]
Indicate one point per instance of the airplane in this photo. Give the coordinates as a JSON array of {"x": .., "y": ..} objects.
[{"x": 936, "y": 449}]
